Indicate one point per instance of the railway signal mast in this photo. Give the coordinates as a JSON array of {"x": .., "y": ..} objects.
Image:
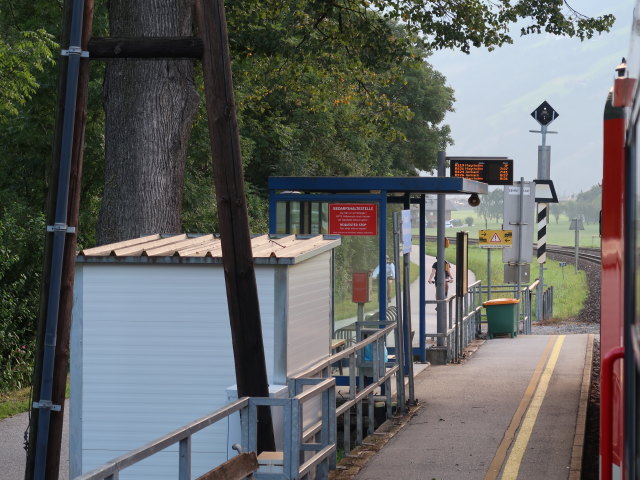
[{"x": 545, "y": 193}]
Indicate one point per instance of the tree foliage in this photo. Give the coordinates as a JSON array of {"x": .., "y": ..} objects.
[
  {"x": 26, "y": 50},
  {"x": 491, "y": 206},
  {"x": 462, "y": 24},
  {"x": 586, "y": 205},
  {"x": 323, "y": 87},
  {"x": 22, "y": 56}
]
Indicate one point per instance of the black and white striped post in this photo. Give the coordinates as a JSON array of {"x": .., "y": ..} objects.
[
  {"x": 543, "y": 213},
  {"x": 544, "y": 115}
]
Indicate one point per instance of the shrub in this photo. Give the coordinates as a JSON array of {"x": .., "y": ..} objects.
[
  {"x": 21, "y": 246},
  {"x": 468, "y": 221}
]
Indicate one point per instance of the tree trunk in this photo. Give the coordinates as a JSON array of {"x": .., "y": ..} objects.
[{"x": 149, "y": 109}]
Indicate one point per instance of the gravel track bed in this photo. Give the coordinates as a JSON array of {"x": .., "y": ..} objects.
[{"x": 588, "y": 320}]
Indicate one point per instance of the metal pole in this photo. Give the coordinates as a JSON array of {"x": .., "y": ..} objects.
[
  {"x": 488, "y": 274},
  {"x": 407, "y": 324},
  {"x": 521, "y": 217},
  {"x": 406, "y": 303},
  {"x": 423, "y": 297},
  {"x": 440, "y": 306},
  {"x": 540, "y": 293},
  {"x": 60, "y": 231},
  {"x": 543, "y": 174},
  {"x": 577, "y": 241},
  {"x": 400, "y": 353}
]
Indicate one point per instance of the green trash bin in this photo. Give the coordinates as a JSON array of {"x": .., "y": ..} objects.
[{"x": 502, "y": 316}]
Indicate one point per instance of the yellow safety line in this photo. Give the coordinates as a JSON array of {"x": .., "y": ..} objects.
[
  {"x": 503, "y": 448},
  {"x": 520, "y": 445}
]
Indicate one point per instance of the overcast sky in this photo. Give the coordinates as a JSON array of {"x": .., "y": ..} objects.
[{"x": 497, "y": 91}]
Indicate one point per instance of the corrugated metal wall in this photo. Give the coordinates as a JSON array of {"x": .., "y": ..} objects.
[
  {"x": 153, "y": 345},
  {"x": 309, "y": 319}
]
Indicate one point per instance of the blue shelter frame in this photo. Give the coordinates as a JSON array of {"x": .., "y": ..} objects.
[{"x": 382, "y": 190}]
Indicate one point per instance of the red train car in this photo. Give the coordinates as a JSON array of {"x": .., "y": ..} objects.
[{"x": 620, "y": 297}]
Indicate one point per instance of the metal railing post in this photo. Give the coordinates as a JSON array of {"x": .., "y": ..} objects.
[{"x": 184, "y": 463}]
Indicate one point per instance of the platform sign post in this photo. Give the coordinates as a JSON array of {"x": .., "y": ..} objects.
[
  {"x": 490, "y": 239},
  {"x": 518, "y": 213},
  {"x": 576, "y": 225}
]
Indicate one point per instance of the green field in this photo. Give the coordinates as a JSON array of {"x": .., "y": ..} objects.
[
  {"x": 557, "y": 233},
  {"x": 569, "y": 286},
  {"x": 344, "y": 308}
]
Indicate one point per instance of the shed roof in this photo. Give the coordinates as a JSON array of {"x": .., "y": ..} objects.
[{"x": 185, "y": 248}]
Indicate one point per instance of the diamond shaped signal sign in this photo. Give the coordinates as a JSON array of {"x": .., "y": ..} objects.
[{"x": 545, "y": 114}]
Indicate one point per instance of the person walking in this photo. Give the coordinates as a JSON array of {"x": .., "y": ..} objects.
[
  {"x": 448, "y": 278},
  {"x": 390, "y": 273}
]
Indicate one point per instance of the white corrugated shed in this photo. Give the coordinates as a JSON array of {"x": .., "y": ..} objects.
[{"x": 151, "y": 343}]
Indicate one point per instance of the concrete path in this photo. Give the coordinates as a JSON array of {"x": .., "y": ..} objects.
[{"x": 508, "y": 412}]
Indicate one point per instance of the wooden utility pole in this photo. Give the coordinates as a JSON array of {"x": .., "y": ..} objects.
[{"x": 237, "y": 256}]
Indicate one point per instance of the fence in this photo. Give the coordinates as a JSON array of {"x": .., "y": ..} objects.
[
  {"x": 465, "y": 315},
  {"x": 463, "y": 320},
  {"x": 368, "y": 370}
]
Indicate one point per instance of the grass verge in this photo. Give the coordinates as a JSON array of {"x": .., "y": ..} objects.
[
  {"x": 345, "y": 308},
  {"x": 12, "y": 403},
  {"x": 569, "y": 286}
]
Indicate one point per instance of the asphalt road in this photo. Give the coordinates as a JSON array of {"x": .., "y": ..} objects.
[{"x": 12, "y": 453}]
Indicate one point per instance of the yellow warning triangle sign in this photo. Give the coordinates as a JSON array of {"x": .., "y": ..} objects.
[{"x": 495, "y": 239}]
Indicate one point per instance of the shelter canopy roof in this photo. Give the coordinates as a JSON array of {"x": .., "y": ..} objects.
[{"x": 417, "y": 185}]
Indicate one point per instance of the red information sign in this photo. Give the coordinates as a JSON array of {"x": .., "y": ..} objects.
[{"x": 353, "y": 218}]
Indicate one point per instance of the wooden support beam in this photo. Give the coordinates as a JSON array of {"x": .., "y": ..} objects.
[
  {"x": 145, "y": 47},
  {"x": 235, "y": 238},
  {"x": 238, "y": 468}
]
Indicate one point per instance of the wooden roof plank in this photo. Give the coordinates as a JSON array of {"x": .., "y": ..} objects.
[
  {"x": 140, "y": 248},
  {"x": 194, "y": 242},
  {"x": 104, "y": 250}
]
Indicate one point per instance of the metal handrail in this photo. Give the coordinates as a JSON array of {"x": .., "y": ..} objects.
[
  {"x": 324, "y": 457},
  {"x": 320, "y": 366},
  {"x": 182, "y": 435}
]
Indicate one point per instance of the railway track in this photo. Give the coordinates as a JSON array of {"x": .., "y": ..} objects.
[
  {"x": 587, "y": 254},
  {"x": 591, "y": 255}
]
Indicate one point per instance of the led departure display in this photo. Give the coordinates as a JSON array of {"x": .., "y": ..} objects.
[{"x": 491, "y": 171}]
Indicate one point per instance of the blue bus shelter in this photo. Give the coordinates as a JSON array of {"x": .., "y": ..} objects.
[{"x": 381, "y": 190}]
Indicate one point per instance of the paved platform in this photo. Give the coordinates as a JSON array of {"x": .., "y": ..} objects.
[{"x": 514, "y": 410}]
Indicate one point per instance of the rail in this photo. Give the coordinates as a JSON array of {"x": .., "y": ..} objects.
[
  {"x": 322, "y": 449},
  {"x": 111, "y": 470},
  {"x": 368, "y": 371},
  {"x": 465, "y": 316},
  {"x": 463, "y": 320}
]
